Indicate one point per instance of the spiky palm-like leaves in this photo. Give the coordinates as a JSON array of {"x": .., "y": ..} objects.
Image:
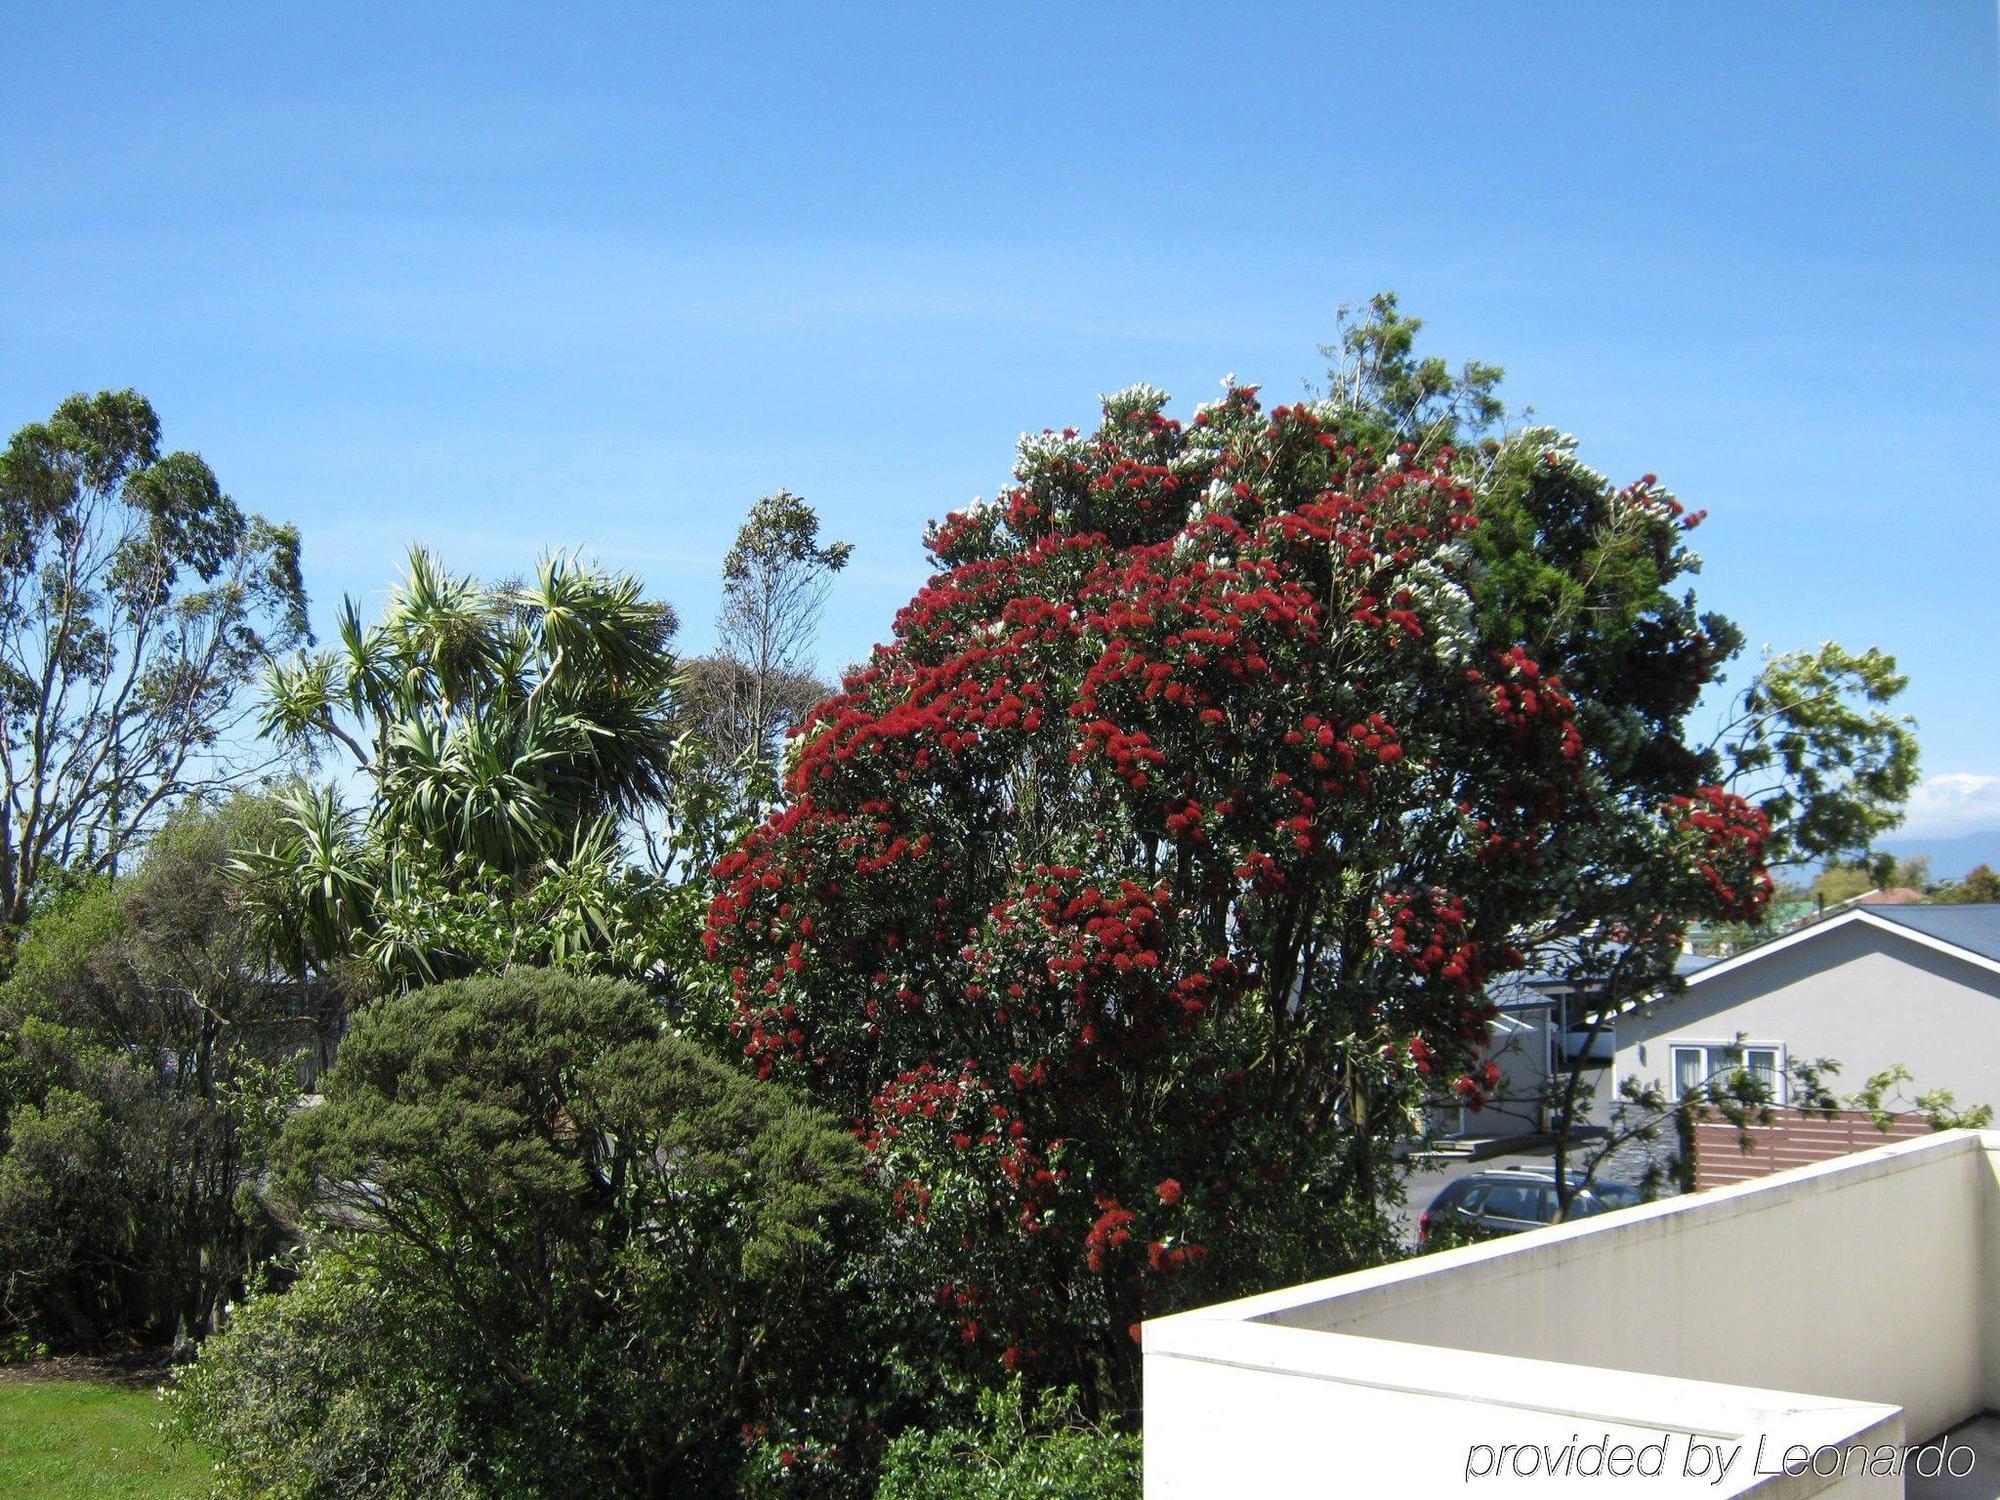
[
  {"x": 312, "y": 884},
  {"x": 508, "y": 731}
]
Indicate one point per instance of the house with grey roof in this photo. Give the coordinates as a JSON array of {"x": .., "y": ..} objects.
[
  {"x": 1541, "y": 1026},
  {"x": 1876, "y": 986}
]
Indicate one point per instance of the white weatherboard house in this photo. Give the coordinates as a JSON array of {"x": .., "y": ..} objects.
[
  {"x": 1876, "y": 986},
  {"x": 1833, "y": 1330}
]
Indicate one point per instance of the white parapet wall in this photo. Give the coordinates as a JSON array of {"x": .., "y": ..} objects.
[{"x": 1684, "y": 1334}]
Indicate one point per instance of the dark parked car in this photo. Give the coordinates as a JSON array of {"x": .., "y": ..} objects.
[{"x": 1510, "y": 1199}]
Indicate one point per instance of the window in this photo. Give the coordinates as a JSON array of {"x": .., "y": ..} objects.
[
  {"x": 1616, "y": 1194},
  {"x": 1690, "y": 1070},
  {"x": 1509, "y": 1200},
  {"x": 1767, "y": 1064},
  {"x": 1454, "y": 1195},
  {"x": 1698, "y": 1063}
]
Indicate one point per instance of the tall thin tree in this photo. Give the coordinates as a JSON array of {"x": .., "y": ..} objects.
[{"x": 763, "y": 677}]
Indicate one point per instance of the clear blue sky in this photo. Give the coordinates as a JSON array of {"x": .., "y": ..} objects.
[{"x": 500, "y": 278}]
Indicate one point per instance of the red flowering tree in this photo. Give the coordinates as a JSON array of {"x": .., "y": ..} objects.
[{"x": 1132, "y": 895}]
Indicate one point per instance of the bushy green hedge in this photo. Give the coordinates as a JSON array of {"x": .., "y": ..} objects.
[
  {"x": 338, "y": 1387},
  {"x": 1009, "y": 1454}
]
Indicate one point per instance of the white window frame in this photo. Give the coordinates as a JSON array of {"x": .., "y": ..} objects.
[{"x": 1781, "y": 1092}]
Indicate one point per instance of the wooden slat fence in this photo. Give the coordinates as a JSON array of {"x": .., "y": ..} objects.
[{"x": 1794, "y": 1139}]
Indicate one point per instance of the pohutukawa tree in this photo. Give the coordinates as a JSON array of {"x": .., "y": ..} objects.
[{"x": 1131, "y": 895}]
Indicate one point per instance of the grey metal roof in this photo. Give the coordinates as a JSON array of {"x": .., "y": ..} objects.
[
  {"x": 1975, "y": 928},
  {"x": 1527, "y": 987}
]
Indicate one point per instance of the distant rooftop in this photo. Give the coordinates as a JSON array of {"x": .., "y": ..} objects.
[{"x": 1895, "y": 895}]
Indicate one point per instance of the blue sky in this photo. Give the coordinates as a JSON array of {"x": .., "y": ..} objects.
[{"x": 505, "y": 278}]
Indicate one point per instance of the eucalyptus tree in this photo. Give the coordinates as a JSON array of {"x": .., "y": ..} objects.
[
  {"x": 1814, "y": 743},
  {"x": 762, "y": 679},
  {"x": 137, "y": 600},
  {"x": 506, "y": 735}
]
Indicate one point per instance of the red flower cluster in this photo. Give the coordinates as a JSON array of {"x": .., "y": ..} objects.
[
  {"x": 1111, "y": 1233},
  {"x": 1725, "y": 837}
]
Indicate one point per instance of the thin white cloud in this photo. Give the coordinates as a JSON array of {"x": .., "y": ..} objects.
[{"x": 1952, "y": 803}]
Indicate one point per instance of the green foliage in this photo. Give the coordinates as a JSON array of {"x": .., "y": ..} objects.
[
  {"x": 780, "y": 535},
  {"x": 75, "y": 1440},
  {"x": 1843, "y": 882},
  {"x": 1376, "y": 375},
  {"x": 146, "y": 1061},
  {"x": 1450, "y": 1232},
  {"x": 1585, "y": 575},
  {"x": 1883, "y": 1097},
  {"x": 1980, "y": 884},
  {"x": 762, "y": 679},
  {"x": 136, "y": 600},
  {"x": 18, "y": 1347},
  {"x": 73, "y": 1184},
  {"x": 616, "y": 1250},
  {"x": 1008, "y": 1454},
  {"x": 1816, "y": 747},
  {"x": 341, "y": 1387},
  {"x": 1912, "y": 872},
  {"x": 510, "y": 734}
]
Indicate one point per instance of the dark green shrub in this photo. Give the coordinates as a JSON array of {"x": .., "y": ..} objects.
[
  {"x": 558, "y": 1252},
  {"x": 148, "y": 1055}
]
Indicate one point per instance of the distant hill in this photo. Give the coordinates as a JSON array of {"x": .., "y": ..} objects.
[{"x": 1950, "y": 857}]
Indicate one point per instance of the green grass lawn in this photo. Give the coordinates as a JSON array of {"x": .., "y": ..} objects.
[{"x": 62, "y": 1438}]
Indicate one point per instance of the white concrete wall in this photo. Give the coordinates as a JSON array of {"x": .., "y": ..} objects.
[
  {"x": 1261, "y": 1416},
  {"x": 1855, "y": 1282},
  {"x": 1866, "y": 1279}
]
